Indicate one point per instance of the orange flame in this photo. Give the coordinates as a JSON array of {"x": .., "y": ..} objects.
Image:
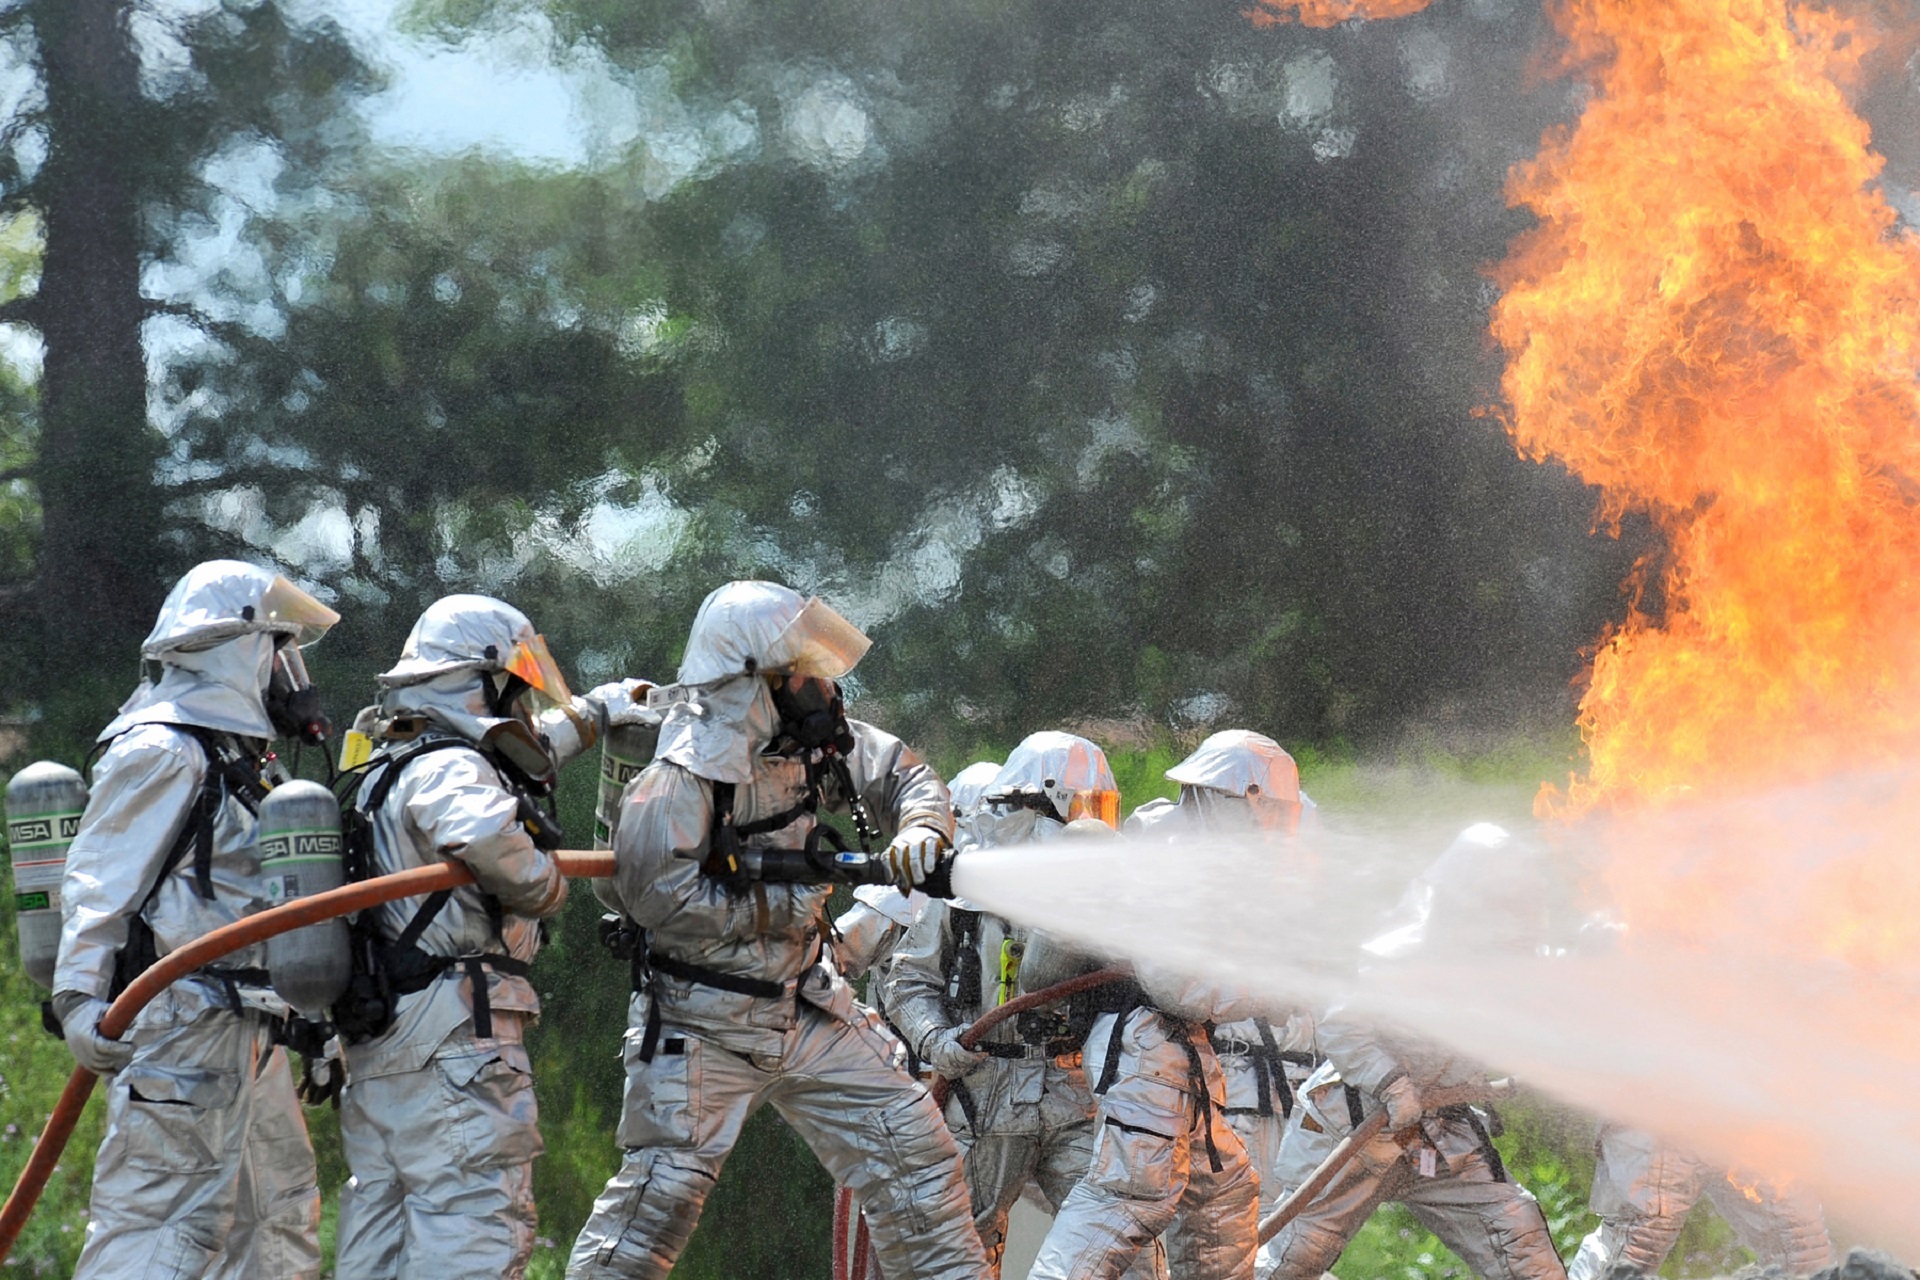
[
  {"x": 1329, "y": 13},
  {"x": 1716, "y": 323}
]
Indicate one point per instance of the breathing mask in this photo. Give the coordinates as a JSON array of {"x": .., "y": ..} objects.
[
  {"x": 813, "y": 716},
  {"x": 1253, "y": 811},
  {"x": 292, "y": 703}
]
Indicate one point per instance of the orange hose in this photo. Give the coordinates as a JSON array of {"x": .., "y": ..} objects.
[
  {"x": 1020, "y": 1004},
  {"x": 1337, "y": 1159},
  {"x": 224, "y": 941}
]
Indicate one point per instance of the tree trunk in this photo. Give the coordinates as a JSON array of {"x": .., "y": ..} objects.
[{"x": 103, "y": 566}]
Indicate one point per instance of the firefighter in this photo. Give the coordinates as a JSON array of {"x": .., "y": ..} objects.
[
  {"x": 205, "y": 1169},
  {"x": 1483, "y": 896},
  {"x": 438, "y": 1118},
  {"x": 1240, "y": 784},
  {"x": 1018, "y": 1103},
  {"x": 1162, "y": 1148},
  {"x": 739, "y": 1000}
]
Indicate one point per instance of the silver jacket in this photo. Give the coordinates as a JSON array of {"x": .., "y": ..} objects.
[
  {"x": 917, "y": 991},
  {"x": 871, "y": 929},
  {"x": 767, "y": 932},
  {"x": 452, "y": 804},
  {"x": 1238, "y": 1040},
  {"x": 143, "y": 791}
]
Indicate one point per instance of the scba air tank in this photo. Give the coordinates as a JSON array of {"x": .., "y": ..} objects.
[
  {"x": 625, "y": 750},
  {"x": 44, "y": 804},
  {"x": 300, "y": 855}
]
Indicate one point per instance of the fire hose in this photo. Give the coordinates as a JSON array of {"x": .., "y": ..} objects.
[
  {"x": 224, "y": 941},
  {"x": 1363, "y": 1133},
  {"x": 850, "y": 1245}
]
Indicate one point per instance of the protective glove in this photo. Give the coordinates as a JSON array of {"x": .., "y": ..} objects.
[
  {"x": 80, "y": 1020},
  {"x": 915, "y": 855},
  {"x": 1403, "y": 1103},
  {"x": 619, "y": 702},
  {"x": 946, "y": 1055}
]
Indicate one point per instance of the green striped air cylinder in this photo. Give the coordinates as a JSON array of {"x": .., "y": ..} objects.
[
  {"x": 300, "y": 855},
  {"x": 625, "y": 749},
  {"x": 44, "y": 804}
]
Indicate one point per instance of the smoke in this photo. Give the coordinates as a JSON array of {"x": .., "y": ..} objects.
[{"x": 1787, "y": 1064}]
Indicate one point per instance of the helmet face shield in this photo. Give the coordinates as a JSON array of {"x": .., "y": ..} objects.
[
  {"x": 1253, "y": 811},
  {"x": 533, "y": 663},
  {"x": 818, "y": 642},
  {"x": 1101, "y": 806},
  {"x": 287, "y": 609}
]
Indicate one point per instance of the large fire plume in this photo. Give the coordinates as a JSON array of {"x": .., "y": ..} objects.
[{"x": 1716, "y": 322}]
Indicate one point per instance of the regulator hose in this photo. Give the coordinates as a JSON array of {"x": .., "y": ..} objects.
[
  {"x": 223, "y": 941},
  {"x": 850, "y": 1247}
]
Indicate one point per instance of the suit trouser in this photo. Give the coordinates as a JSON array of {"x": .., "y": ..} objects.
[
  {"x": 1260, "y": 1135},
  {"x": 1643, "y": 1190},
  {"x": 206, "y": 1170},
  {"x": 841, "y": 1087},
  {"x": 1494, "y": 1224},
  {"x": 999, "y": 1167},
  {"x": 442, "y": 1161},
  {"x": 1153, "y": 1162}
]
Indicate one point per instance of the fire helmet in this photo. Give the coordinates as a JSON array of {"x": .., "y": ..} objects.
[
  {"x": 1062, "y": 775},
  {"x": 221, "y": 600},
  {"x": 747, "y": 628},
  {"x": 478, "y": 634}
]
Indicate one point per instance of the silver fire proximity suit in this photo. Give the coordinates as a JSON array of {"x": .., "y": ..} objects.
[
  {"x": 1643, "y": 1190},
  {"x": 743, "y": 1004},
  {"x": 969, "y": 787},
  {"x": 1439, "y": 1162},
  {"x": 1019, "y": 1104},
  {"x": 205, "y": 1169},
  {"x": 438, "y": 1118},
  {"x": 1245, "y": 784},
  {"x": 1162, "y": 1147},
  {"x": 871, "y": 929}
]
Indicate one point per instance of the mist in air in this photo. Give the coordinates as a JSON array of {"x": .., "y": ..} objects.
[{"x": 1743, "y": 1038}]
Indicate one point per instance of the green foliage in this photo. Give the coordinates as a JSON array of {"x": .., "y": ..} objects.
[{"x": 33, "y": 1068}]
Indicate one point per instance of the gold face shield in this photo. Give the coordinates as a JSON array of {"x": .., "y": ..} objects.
[
  {"x": 1101, "y": 806},
  {"x": 533, "y": 663},
  {"x": 286, "y": 608},
  {"x": 818, "y": 642}
]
